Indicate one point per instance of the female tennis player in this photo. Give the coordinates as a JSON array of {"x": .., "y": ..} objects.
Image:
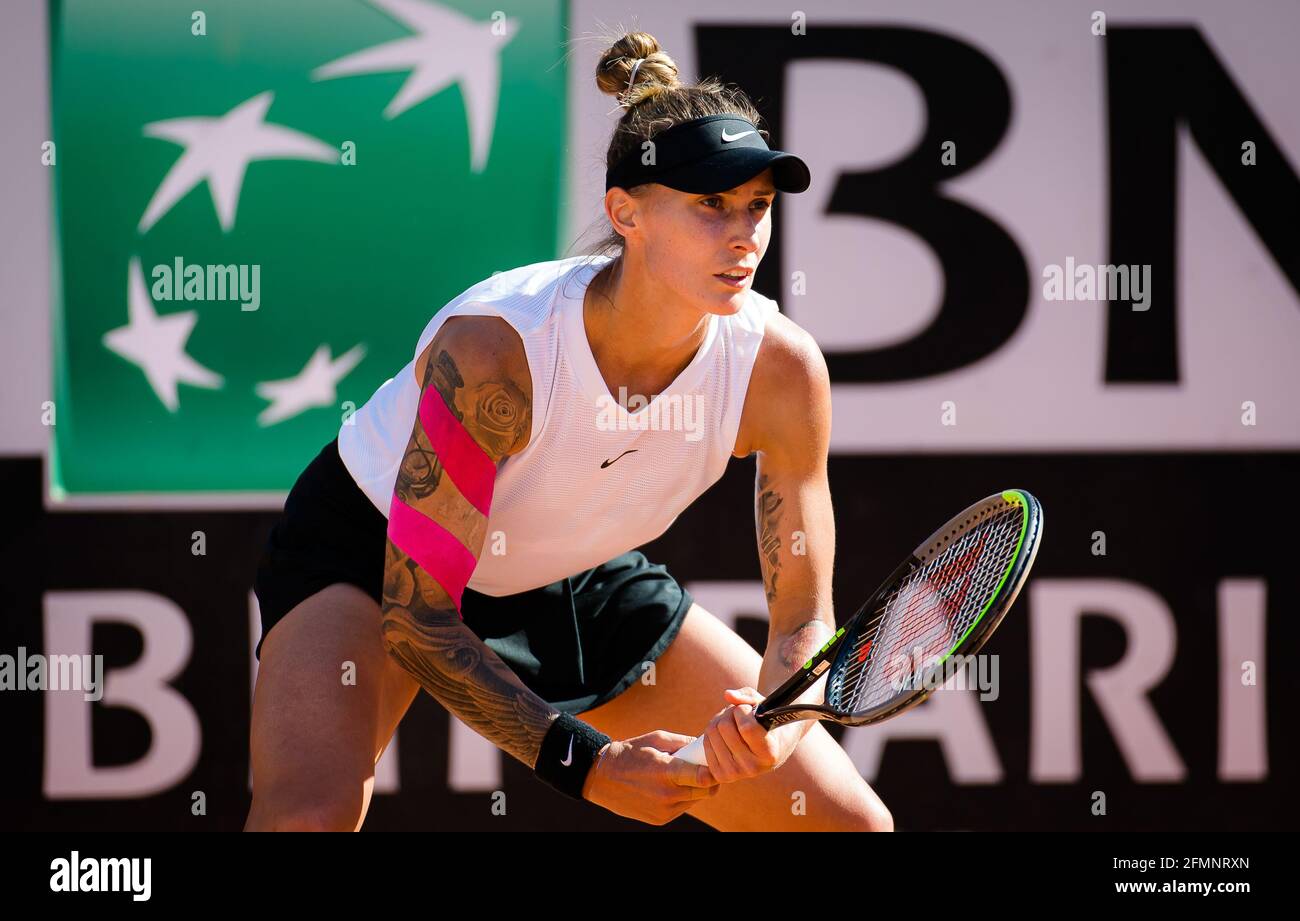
[{"x": 471, "y": 531}]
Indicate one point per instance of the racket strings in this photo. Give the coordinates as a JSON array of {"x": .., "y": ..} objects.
[
  {"x": 929, "y": 613},
  {"x": 937, "y": 611},
  {"x": 936, "y": 570},
  {"x": 923, "y": 619}
]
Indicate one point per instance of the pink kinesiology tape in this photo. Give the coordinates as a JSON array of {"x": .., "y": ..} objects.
[
  {"x": 460, "y": 455},
  {"x": 433, "y": 547}
]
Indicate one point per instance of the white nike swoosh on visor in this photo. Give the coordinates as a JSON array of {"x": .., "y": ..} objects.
[{"x": 734, "y": 137}]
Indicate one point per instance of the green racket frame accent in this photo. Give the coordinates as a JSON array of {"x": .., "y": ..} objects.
[{"x": 1015, "y": 497}]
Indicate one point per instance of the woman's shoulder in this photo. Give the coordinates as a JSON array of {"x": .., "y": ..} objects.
[
  {"x": 494, "y": 338},
  {"x": 789, "y": 385},
  {"x": 497, "y": 322},
  {"x": 788, "y": 355},
  {"x": 480, "y": 366}
]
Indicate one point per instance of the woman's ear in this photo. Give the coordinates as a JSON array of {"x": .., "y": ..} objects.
[{"x": 622, "y": 210}]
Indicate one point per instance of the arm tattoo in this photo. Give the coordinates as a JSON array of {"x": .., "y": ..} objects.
[
  {"x": 501, "y": 415},
  {"x": 800, "y": 643},
  {"x": 421, "y": 472},
  {"x": 768, "y": 514},
  {"x": 422, "y": 629},
  {"x": 427, "y": 637},
  {"x": 446, "y": 377}
]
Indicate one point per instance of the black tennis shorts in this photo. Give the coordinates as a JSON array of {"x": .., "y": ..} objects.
[{"x": 576, "y": 643}]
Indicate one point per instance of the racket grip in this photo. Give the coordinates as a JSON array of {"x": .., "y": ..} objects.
[{"x": 693, "y": 753}]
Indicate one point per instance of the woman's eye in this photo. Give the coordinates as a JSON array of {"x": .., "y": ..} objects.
[{"x": 764, "y": 202}]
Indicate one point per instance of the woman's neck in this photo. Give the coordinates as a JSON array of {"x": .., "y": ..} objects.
[{"x": 638, "y": 339}]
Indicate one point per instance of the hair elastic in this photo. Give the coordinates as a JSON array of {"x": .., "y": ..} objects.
[{"x": 632, "y": 79}]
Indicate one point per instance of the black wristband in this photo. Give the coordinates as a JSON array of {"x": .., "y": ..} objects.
[{"x": 568, "y": 751}]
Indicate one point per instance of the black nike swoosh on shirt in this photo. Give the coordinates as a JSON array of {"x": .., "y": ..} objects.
[{"x": 608, "y": 462}]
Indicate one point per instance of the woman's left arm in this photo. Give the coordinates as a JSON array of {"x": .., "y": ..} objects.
[
  {"x": 793, "y": 517},
  {"x": 787, "y": 421}
]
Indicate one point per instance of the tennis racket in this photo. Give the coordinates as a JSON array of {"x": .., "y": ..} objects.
[{"x": 944, "y": 600}]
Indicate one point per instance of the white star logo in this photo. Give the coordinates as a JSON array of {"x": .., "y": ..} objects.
[
  {"x": 220, "y": 149},
  {"x": 448, "y": 48},
  {"x": 157, "y": 343},
  {"x": 313, "y": 386}
]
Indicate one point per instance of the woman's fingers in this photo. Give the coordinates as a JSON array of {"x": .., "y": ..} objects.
[
  {"x": 721, "y": 764},
  {"x": 761, "y": 746}
]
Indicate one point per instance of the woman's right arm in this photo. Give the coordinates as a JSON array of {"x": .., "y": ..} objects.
[{"x": 476, "y": 367}]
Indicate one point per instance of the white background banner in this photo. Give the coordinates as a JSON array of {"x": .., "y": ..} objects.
[{"x": 872, "y": 283}]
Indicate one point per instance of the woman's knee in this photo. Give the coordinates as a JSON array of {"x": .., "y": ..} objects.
[
  {"x": 338, "y": 808},
  {"x": 815, "y": 790},
  {"x": 862, "y": 808},
  {"x": 874, "y": 816}
]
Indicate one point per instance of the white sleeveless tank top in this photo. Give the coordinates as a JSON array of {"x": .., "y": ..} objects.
[{"x": 595, "y": 480}]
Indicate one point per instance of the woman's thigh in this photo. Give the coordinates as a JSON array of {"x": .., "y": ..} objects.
[
  {"x": 320, "y": 725},
  {"x": 817, "y": 789}
]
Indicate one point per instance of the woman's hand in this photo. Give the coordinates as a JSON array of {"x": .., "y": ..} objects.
[
  {"x": 737, "y": 747},
  {"x": 640, "y": 778}
]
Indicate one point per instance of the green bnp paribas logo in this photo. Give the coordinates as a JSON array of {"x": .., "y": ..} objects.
[{"x": 259, "y": 207}]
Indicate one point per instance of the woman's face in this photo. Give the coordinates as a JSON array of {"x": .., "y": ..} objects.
[{"x": 688, "y": 240}]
